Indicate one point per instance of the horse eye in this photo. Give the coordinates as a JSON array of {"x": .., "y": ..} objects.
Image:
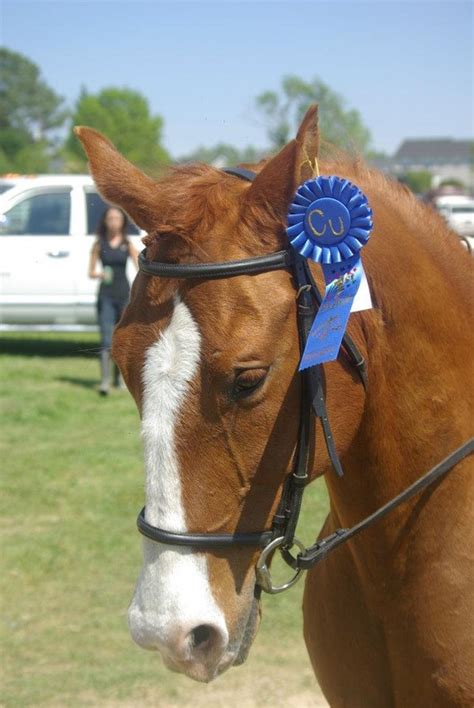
[{"x": 247, "y": 381}]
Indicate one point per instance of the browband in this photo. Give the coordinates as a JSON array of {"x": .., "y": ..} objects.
[{"x": 224, "y": 269}]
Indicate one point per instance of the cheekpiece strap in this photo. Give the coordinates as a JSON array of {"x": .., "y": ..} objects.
[{"x": 313, "y": 377}]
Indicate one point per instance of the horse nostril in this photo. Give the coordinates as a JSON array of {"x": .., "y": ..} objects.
[{"x": 200, "y": 636}]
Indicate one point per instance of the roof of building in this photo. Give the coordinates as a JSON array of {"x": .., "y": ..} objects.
[{"x": 434, "y": 150}]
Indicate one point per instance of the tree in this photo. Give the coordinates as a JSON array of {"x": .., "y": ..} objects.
[
  {"x": 30, "y": 114},
  {"x": 223, "y": 155},
  {"x": 452, "y": 182},
  {"x": 123, "y": 115},
  {"x": 284, "y": 112},
  {"x": 419, "y": 181}
]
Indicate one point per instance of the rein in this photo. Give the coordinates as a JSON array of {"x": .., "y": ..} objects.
[{"x": 282, "y": 533}]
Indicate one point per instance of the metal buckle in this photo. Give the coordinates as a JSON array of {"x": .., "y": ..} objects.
[{"x": 264, "y": 578}]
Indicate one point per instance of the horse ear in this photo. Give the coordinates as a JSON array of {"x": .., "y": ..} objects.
[
  {"x": 279, "y": 179},
  {"x": 119, "y": 181}
]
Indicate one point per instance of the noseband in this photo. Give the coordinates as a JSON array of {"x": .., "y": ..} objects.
[{"x": 313, "y": 402}]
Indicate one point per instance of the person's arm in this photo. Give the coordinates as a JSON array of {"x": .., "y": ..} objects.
[
  {"x": 133, "y": 253},
  {"x": 94, "y": 257}
]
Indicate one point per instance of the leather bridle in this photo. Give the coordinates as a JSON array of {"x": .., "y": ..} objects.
[{"x": 282, "y": 533}]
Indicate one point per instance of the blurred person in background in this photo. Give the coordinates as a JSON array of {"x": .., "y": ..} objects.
[{"x": 113, "y": 249}]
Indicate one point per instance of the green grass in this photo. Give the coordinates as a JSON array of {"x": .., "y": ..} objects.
[{"x": 72, "y": 483}]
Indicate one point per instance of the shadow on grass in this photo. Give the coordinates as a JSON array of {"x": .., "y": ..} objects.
[
  {"x": 75, "y": 381},
  {"x": 49, "y": 346}
]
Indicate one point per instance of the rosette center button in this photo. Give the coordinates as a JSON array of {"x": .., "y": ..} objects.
[{"x": 327, "y": 221}]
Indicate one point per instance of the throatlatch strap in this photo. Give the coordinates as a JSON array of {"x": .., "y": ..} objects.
[{"x": 319, "y": 406}]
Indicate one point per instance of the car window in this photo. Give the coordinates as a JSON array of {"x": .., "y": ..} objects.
[
  {"x": 463, "y": 209},
  {"x": 95, "y": 208},
  {"x": 46, "y": 214}
]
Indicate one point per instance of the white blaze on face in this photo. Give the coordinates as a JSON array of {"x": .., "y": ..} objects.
[{"x": 173, "y": 594}]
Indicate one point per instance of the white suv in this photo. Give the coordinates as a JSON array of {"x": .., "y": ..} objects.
[
  {"x": 458, "y": 210},
  {"x": 47, "y": 228}
]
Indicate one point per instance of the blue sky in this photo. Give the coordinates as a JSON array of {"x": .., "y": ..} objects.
[{"x": 405, "y": 65}]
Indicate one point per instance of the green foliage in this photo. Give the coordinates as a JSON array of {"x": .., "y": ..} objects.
[
  {"x": 418, "y": 181},
  {"x": 30, "y": 113},
  {"x": 284, "y": 111},
  {"x": 123, "y": 115},
  {"x": 452, "y": 182},
  {"x": 374, "y": 155},
  {"x": 223, "y": 155},
  {"x": 71, "y": 554}
]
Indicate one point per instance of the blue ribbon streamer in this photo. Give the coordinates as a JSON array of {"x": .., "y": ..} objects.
[{"x": 325, "y": 337}]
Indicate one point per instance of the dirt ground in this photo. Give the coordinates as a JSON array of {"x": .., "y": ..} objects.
[
  {"x": 277, "y": 690},
  {"x": 219, "y": 699}
]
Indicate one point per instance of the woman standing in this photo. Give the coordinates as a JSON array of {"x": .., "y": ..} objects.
[{"x": 113, "y": 249}]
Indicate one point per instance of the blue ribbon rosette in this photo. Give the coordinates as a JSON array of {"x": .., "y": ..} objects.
[{"x": 329, "y": 222}]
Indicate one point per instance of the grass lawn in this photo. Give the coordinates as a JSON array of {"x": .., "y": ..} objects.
[{"x": 72, "y": 484}]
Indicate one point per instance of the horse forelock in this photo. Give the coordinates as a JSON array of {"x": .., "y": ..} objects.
[{"x": 192, "y": 200}]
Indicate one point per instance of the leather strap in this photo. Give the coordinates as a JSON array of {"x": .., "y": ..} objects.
[
  {"x": 213, "y": 271},
  {"x": 319, "y": 550},
  {"x": 201, "y": 540},
  {"x": 313, "y": 378},
  {"x": 241, "y": 172}
]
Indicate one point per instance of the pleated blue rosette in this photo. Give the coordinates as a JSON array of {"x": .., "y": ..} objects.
[{"x": 329, "y": 222}]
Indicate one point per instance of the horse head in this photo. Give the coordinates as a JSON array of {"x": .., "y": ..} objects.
[{"x": 212, "y": 366}]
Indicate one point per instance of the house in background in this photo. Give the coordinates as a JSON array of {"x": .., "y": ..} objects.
[{"x": 444, "y": 158}]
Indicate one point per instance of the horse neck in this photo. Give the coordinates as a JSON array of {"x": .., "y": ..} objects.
[{"x": 419, "y": 344}]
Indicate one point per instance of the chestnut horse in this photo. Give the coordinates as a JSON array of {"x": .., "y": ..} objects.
[{"x": 212, "y": 366}]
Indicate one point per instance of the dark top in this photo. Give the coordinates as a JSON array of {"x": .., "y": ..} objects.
[{"x": 114, "y": 262}]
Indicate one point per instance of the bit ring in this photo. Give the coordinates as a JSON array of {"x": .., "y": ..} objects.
[{"x": 264, "y": 578}]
